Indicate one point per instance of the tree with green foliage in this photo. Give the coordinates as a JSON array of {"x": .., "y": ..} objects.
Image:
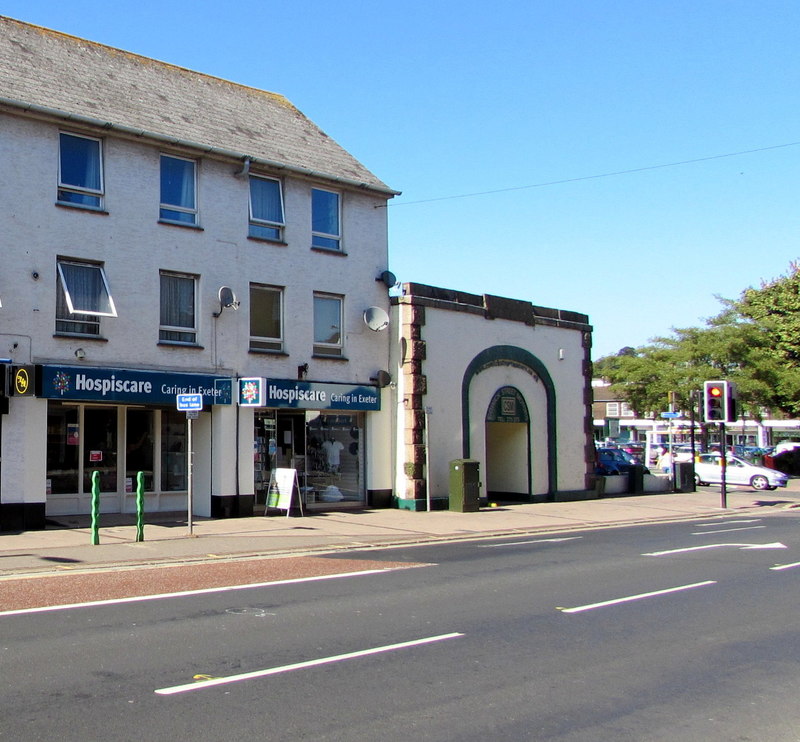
[
  {"x": 775, "y": 310},
  {"x": 754, "y": 342}
]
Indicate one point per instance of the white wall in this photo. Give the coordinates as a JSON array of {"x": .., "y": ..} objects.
[
  {"x": 452, "y": 340},
  {"x": 134, "y": 247}
]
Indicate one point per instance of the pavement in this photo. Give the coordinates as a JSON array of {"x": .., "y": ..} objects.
[{"x": 66, "y": 543}]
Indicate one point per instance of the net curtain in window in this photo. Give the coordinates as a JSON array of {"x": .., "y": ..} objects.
[
  {"x": 177, "y": 301},
  {"x": 265, "y": 200},
  {"x": 177, "y": 182},
  {"x": 80, "y": 162}
]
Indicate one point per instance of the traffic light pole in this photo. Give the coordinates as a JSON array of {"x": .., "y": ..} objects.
[{"x": 723, "y": 491}]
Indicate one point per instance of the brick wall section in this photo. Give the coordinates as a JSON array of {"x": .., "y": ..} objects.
[
  {"x": 588, "y": 394},
  {"x": 415, "y": 385}
]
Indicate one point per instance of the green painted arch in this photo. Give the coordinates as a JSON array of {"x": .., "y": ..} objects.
[{"x": 514, "y": 355}]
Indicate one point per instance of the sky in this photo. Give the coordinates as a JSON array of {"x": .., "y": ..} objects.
[{"x": 630, "y": 160}]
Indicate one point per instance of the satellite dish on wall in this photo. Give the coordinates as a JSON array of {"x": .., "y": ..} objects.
[
  {"x": 227, "y": 300},
  {"x": 376, "y": 319},
  {"x": 382, "y": 379},
  {"x": 388, "y": 279}
]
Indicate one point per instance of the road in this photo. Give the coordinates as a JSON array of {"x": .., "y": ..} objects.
[{"x": 679, "y": 632}]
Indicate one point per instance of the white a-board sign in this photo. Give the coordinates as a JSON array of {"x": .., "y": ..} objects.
[{"x": 283, "y": 484}]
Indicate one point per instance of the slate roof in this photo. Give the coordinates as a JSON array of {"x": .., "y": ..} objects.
[{"x": 51, "y": 72}]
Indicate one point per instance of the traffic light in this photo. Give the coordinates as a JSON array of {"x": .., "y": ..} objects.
[{"x": 719, "y": 402}]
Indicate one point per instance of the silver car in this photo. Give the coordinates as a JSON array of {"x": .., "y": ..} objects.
[{"x": 708, "y": 470}]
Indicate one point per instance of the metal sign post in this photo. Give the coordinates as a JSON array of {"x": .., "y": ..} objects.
[
  {"x": 191, "y": 404},
  {"x": 723, "y": 491}
]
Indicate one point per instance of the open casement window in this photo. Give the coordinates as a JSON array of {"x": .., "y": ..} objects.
[
  {"x": 266, "y": 317},
  {"x": 82, "y": 297},
  {"x": 266, "y": 208},
  {"x": 178, "y": 190},
  {"x": 80, "y": 171},
  {"x": 326, "y": 230},
  {"x": 178, "y": 309},
  {"x": 328, "y": 325}
]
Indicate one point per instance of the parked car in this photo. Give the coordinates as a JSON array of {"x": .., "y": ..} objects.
[
  {"x": 682, "y": 453},
  {"x": 614, "y": 461},
  {"x": 784, "y": 446},
  {"x": 708, "y": 470},
  {"x": 634, "y": 449}
]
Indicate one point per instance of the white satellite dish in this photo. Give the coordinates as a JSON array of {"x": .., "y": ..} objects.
[
  {"x": 227, "y": 300},
  {"x": 376, "y": 319}
]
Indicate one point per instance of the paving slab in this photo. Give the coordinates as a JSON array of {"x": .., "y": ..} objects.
[{"x": 65, "y": 545}]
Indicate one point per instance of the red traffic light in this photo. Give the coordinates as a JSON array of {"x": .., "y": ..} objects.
[{"x": 719, "y": 404}]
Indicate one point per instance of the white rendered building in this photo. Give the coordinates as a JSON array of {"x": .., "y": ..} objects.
[
  {"x": 166, "y": 232},
  {"x": 496, "y": 381}
]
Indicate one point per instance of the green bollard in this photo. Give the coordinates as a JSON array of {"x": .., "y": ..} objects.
[
  {"x": 95, "y": 507},
  {"x": 140, "y": 506}
]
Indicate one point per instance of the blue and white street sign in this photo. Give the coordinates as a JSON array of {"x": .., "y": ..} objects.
[
  {"x": 670, "y": 415},
  {"x": 188, "y": 402}
]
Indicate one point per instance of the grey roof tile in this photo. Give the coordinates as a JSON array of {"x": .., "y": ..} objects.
[{"x": 73, "y": 76}]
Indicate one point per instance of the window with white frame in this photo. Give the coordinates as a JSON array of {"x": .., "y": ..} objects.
[
  {"x": 178, "y": 190},
  {"x": 266, "y": 317},
  {"x": 612, "y": 409},
  {"x": 328, "y": 332},
  {"x": 178, "y": 311},
  {"x": 82, "y": 297},
  {"x": 625, "y": 410},
  {"x": 266, "y": 208},
  {"x": 326, "y": 220},
  {"x": 80, "y": 170}
]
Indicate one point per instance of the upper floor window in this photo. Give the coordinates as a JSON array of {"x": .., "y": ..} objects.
[
  {"x": 178, "y": 311},
  {"x": 325, "y": 219},
  {"x": 266, "y": 208},
  {"x": 266, "y": 317},
  {"x": 82, "y": 297},
  {"x": 178, "y": 190},
  {"x": 328, "y": 324},
  {"x": 80, "y": 170}
]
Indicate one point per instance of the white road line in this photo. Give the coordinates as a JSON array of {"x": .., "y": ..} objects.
[
  {"x": 726, "y": 530},
  {"x": 203, "y": 591},
  {"x": 727, "y": 523},
  {"x": 641, "y": 596},
  {"x": 203, "y": 684},
  {"x": 775, "y": 545},
  {"x": 537, "y": 541},
  {"x": 779, "y": 567}
]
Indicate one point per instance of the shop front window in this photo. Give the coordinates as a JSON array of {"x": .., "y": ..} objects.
[
  {"x": 63, "y": 438},
  {"x": 174, "y": 449},
  {"x": 100, "y": 447},
  {"x": 334, "y": 465},
  {"x": 139, "y": 448}
]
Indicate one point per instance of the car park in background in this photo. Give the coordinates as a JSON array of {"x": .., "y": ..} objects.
[
  {"x": 634, "y": 449},
  {"x": 682, "y": 453},
  {"x": 708, "y": 470},
  {"x": 614, "y": 461}
]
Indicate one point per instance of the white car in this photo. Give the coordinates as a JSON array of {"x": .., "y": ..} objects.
[{"x": 708, "y": 470}]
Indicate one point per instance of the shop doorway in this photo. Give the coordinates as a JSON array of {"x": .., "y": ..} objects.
[{"x": 508, "y": 473}]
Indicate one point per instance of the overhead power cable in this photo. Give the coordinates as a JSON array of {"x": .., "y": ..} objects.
[{"x": 595, "y": 177}]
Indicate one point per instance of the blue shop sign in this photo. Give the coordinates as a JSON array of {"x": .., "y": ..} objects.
[
  {"x": 313, "y": 395},
  {"x": 129, "y": 386}
]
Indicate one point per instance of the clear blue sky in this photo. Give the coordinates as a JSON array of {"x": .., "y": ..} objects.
[{"x": 443, "y": 98}]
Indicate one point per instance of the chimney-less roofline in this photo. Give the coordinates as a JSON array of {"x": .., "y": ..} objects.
[{"x": 176, "y": 142}]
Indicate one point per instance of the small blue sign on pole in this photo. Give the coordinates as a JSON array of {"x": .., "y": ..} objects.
[
  {"x": 188, "y": 402},
  {"x": 670, "y": 415}
]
